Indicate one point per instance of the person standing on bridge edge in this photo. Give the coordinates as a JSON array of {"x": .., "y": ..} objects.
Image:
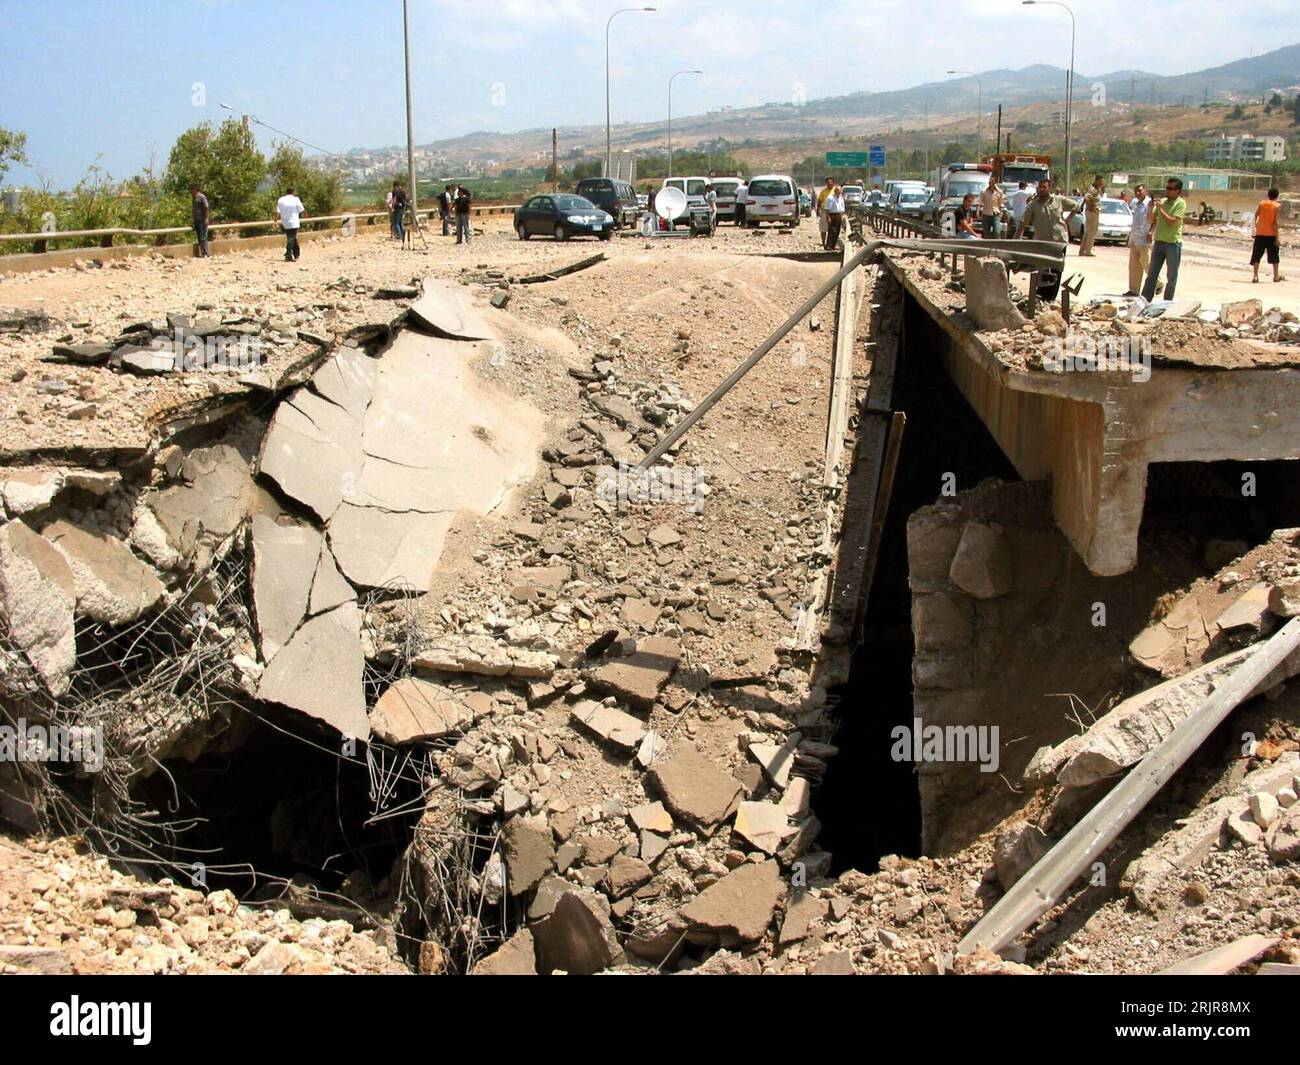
[
  {"x": 290, "y": 209},
  {"x": 742, "y": 201},
  {"x": 1266, "y": 236},
  {"x": 200, "y": 216},
  {"x": 1139, "y": 240},
  {"x": 1042, "y": 217},
  {"x": 991, "y": 202},
  {"x": 399, "y": 211},
  {"x": 464, "y": 231},
  {"x": 1167, "y": 250}
]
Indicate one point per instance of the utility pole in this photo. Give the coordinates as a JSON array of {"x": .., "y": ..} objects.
[
  {"x": 410, "y": 120},
  {"x": 555, "y": 160}
]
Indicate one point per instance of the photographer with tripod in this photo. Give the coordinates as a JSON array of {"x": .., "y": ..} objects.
[{"x": 399, "y": 212}]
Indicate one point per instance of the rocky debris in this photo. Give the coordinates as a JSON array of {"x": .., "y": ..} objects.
[
  {"x": 1128, "y": 733},
  {"x": 112, "y": 584},
  {"x": 529, "y": 852},
  {"x": 179, "y": 525},
  {"x": 1247, "y": 320},
  {"x": 1016, "y": 851},
  {"x": 983, "y": 962},
  {"x": 319, "y": 672},
  {"x": 24, "y": 490},
  {"x": 609, "y": 723},
  {"x": 24, "y": 320},
  {"x": 982, "y": 565},
  {"x": 988, "y": 295},
  {"x": 694, "y": 788},
  {"x": 578, "y": 937},
  {"x": 482, "y": 655},
  {"x": 740, "y": 906},
  {"x": 638, "y": 678},
  {"x": 1284, "y": 845},
  {"x": 412, "y": 710},
  {"x": 651, "y": 817},
  {"x": 762, "y": 824},
  {"x": 516, "y": 957},
  {"x": 37, "y": 598}
]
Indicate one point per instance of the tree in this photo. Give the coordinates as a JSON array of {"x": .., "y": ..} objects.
[
  {"x": 321, "y": 192},
  {"x": 13, "y": 149},
  {"x": 1237, "y": 113},
  {"x": 225, "y": 164}
]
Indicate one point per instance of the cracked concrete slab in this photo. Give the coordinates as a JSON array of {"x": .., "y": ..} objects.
[
  {"x": 37, "y": 596},
  {"x": 312, "y": 451},
  {"x": 447, "y": 309},
  {"x": 318, "y": 672},
  {"x": 381, "y": 549},
  {"x": 285, "y": 558},
  {"x": 112, "y": 585},
  {"x": 328, "y": 588},
  {"x": 412, "y": 709}
]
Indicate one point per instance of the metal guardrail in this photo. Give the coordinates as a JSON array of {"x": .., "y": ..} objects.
[
  {"x": 107, "y": 235},
  {"x": 889, "y": 224}
]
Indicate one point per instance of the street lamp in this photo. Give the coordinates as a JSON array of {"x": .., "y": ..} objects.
[
  {"x": 608, "y": 152},
  {"x": 410, "y": 120},
  {"x": 979, "y": 118},
  {"x": 1069, "y": 86},
  {"x": 670, "y": 114}
]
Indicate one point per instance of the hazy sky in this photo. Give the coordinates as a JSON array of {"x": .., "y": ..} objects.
[{"x": 114, "y": 80}]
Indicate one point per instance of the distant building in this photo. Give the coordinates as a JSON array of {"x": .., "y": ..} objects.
[{"x": 1247, "y": 148}]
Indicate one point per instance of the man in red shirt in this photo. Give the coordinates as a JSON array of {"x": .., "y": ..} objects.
[{"x": 1266, "y": 236}]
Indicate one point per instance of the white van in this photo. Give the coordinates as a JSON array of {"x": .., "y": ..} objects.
[
  {"x": 693, "y": 188},
  {"x": 772, "y": 198}
]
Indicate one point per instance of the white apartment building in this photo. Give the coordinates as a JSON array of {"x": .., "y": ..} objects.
[{"x": 1246, "y": 147}]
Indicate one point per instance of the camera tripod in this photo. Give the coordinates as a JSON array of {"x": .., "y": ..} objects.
[{"x": 411, "y": 223}]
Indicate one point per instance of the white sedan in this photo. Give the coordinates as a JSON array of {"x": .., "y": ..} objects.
[{"x": 1115, "y": 223}]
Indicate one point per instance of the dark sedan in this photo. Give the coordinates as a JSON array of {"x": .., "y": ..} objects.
[{"x": 562, "y": 217}]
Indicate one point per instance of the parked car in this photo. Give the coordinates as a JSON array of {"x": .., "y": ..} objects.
[
  {"x": 893, "y": 184},
  {"x": 854, "y": 196},
  {"x": 772, "y": 198},
  {"x": 726, "y": 187},
  {"x": 958, "y": 180},
  {"x": 805, "y": 203},
  {"x": 1115, "y": 223},
  {"x": 877, "y": 199},
  {"x": 693, "y": 188},
  {"x": 616, "y": 198},
  {"x": 909, "y": 200},
  {"x": 562, "y": 216}
]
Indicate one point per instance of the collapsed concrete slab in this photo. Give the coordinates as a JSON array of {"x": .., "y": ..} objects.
[
  {"x": 26, "y": 489},
  {"x": 578, "y": 937},
  {"x": 312, "y": 451},
  {"x": 638, "y": 678},
  {"x": 447, "y": 309},
  {"x": 37, "y": 597},
  {"x": 319, "y": 670},
  {"x": 285, "y": 558},
  {"x": 694, "y": 787},
  {"x": 112, "y": 585}
]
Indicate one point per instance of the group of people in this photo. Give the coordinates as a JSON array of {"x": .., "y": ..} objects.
[
  {"x": 288, "y": 211},
  {"x": 453, "y": 205},
  {"x": 1155, "y": 240}
]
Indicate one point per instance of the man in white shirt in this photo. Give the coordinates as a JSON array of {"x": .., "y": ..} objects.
[
  {"x": 290, "y": 209},
  {"x": 742, "y": 201},
  {"x": 1019, "y": 201},
  {"x": 833, "y": 208},
  {"x": 1139, "y": 240}
]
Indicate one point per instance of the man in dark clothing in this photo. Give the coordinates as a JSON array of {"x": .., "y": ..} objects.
[
  {"x": 200, "y": 216},
  {"x": 463, "y": 230}
]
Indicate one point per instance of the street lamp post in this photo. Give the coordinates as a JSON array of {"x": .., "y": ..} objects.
[
  {"x": 1069, "y": 87},
  {"x": 609, "y": 155},
  {"x": 670, "y": 114},
  {"x": 410, "y": 120},
  {"x": 979, "y": 117}
]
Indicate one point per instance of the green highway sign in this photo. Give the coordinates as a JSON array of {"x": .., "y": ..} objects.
[{"x": 854, "y": 159}]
